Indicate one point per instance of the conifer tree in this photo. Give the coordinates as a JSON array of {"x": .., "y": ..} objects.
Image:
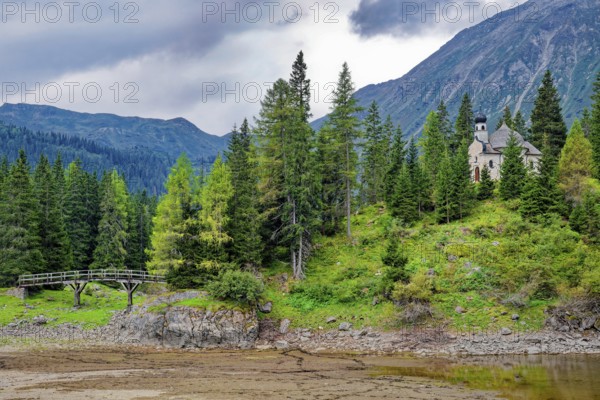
[
  {"x": 397, "y": 159},
  {"x": 594, "y": 135},
  {"x": 288, "y": 181},
  {"x": 404, "y": 203},
  {"x": 80, "y": 214},
  {"x": 111, "y": 248},
  {"x": 506, "y": 119},
  {"x": 55, "y": 244},
  {"x": 344, "y": 123},
  {"x": 214, "y": 218},
  {"x": 541, "y": 195},
  {"x": 174, "y": 214},
  {"x": 244, "y": 222},
  {"x": 445, "y": 204},
  {"x": 520, "y": 126},
  {"x": 445, "y": 124},
  {"x": 434, "y": 146},
  {"x": 512, "y": 170},
  {"x": 141, "y": 212},
  {"x": 575, "y": 166},
  {"x": 462, "y": 185},
  {"x": 420, "y": 182},
  {"x": 463, "y": 127},
  {"x": 19, "y": 225},
  {"x": 486, "y": 185},
  {"x": 330, "y": 170},
  {"x": 585, "y": 217},
  {"x": 374, "y": 155},
  {"x": 547, "y": 122}
]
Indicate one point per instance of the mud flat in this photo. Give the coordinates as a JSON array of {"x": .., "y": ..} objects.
[{"x": 121, "y": 373}]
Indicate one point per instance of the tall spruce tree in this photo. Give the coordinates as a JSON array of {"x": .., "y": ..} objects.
[
  {"x": 506, "y": 119},
  {"x": 462, "y": 185},
  {"x": 512, "y": 170},
  {"x": 445, "y": 200},
  {"x": 520, "y": 125},
  {"x": 141, "y": 211},
  {"x": 330, "y": 164},
  {"x": 55, "y": 244},
  {"x": 288, "y": 182},
  {"x": 445, "y": 124},
  {"x": 575, "y": 166},
  {"x": 397, "y": 159},
  {"x": 463, "y": 127},
  {"x": 420, "y": 183},
  {"x": 20, "y": 251},
  {"x": 244, "y": 222},
  {"x": 80, "y": 214},
  {"x": 485, "y": 190},
  {"x": 434, "y": 146},
  {"x": 111, "y": 248},
  {"x": 594, "y": 135},
  {"x": 374, "y": 156},
  {"x": 344, "y": 123},
  {"x": 403, "y": 204},
  {"x": 547, "y": 122}
]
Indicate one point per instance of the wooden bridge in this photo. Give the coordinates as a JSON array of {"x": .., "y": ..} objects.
[{"x": 78, "y": 280}]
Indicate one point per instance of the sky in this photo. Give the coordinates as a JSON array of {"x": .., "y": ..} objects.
[{"x": 211, "y": 62}]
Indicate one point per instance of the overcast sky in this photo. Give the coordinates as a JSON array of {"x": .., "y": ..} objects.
[{"x": 211, "y": 62}]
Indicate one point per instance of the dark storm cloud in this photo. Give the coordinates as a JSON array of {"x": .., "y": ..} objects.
[
  {"x": 40, "y": 40},
  {"x": 411, "y": 18}
]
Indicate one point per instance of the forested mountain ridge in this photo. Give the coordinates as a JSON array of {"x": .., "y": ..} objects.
[
  {"x": 95, "y": 158},
  {"x": 501, "y": 62},
  {"x": 164, "y": 138}
]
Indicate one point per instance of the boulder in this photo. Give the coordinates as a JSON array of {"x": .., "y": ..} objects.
[
  {"x": 40, "y": 320},
  {"x": 266, "y": 308},
  {"x": 587, "y": 323},
  {"x": 282, "y": 345},
  {"x": 505, "y": 332},
  {"x": 284, "y": 326},
  {"x": 345, "y": 326}
]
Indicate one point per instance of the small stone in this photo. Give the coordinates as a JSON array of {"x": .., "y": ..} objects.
[
  {"x": 533, "y": 350},
  {"x": 40, "y": 320},
  {"x": 505, "y": 332},
  {"x": 468, "y": 264},
  {"x": 504, "y": 313},
  {"x": 284, "y": 326},
  {"x": 587, "y": 323},
  {"x": 375, "y": 301},
  {"x": 515, "y": 317},
  {"x": 459, "y": 310},
  {"x": 495, "y": 244},
  {"x": 431, "y": 272},
  {"x": 282, "y": 345},
  {"x": 331, "y": 320},
  {"x": 266, "y": 308},
  {"x": 345, "y": 326},
  {"x": 452, "y": 258}
]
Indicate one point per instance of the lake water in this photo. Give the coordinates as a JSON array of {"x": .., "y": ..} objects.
[{"x": 135, "y": 373}]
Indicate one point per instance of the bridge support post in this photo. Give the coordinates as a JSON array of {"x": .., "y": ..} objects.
[
  {"x": 130, "y": 287},
  {"x": 77, "y": 289}
]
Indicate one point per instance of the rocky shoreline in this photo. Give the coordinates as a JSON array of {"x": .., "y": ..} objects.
[{"x": 187, "y": 328}]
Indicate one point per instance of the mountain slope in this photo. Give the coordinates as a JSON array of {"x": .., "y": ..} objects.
[
  {"x": 166, "y": 138},
  {"x": 500, "y": 62}
]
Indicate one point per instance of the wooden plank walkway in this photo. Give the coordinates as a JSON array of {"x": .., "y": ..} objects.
[{"x": 130, "y": 280}]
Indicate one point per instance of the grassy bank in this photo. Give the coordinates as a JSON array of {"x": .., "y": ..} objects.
[{"x": 491, "y": 265}]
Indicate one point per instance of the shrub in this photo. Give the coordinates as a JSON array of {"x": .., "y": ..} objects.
[
  {"x": 420, "y": 289},
  {"x": 239, "y": 286},
  {"x": 415, "y": 312}
]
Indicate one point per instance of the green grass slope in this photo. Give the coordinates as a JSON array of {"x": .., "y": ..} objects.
[{"x": 492, "y": 265}]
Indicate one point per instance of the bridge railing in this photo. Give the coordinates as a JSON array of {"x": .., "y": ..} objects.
[{"x": 88, "y": 276}]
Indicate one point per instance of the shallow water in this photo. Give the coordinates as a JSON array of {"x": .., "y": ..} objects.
[
  {"x": 536, "y": 377},
  {"x": 155, "y": 374}
]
